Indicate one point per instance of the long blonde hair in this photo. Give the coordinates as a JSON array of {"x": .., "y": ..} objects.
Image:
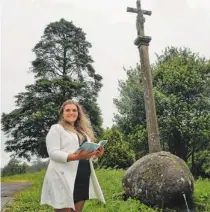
[{"x": 81, "y": 125}]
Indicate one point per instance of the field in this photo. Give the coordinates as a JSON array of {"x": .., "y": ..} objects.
[{"x": 110, "y": 181}]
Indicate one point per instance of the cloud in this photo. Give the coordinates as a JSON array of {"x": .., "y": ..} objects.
[{"x": 201, "y": 4}]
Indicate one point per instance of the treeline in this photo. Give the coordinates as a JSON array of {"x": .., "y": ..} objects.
[{"x": 15, "y": 166}]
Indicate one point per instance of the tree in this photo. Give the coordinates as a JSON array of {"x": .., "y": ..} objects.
[
  {"x": 181, "y": 86},
  {"x": 130, "y": 104},
  {"x": 63, "y": 70},
  {"x": 131, "y": 115},
  {"x": 37, "y": 166},
  {"x": 13, "y": 167},
  {"x": 182, "y": 82}
]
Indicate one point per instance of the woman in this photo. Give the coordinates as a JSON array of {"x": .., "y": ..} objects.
[{"x": 70, "y": 178}]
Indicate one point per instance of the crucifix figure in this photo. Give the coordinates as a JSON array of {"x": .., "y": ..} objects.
[
  {"x": 142, "y": 42},
  {"x": 140, "y": 18}
]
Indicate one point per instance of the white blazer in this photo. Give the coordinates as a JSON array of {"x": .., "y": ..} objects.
[{"x": 58, "y": 185}]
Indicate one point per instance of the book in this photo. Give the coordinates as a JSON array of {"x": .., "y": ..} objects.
[{"x": 89, "y": 147}]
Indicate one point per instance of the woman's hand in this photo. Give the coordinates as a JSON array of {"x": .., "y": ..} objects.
[
  {"x": 82, "y": 155},
  {"x": 99, "y": 152}
]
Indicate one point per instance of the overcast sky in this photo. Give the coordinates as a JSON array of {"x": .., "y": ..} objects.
[{"x": 109, "y": 28}]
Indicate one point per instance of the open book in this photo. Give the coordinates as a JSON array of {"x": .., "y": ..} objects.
[{"x": 89, "y": 147}]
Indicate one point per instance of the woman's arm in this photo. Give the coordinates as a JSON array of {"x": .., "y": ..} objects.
[{"x": 53, "y": 145}]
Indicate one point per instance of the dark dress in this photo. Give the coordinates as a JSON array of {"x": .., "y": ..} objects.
[{"x": 81, "y": 186}]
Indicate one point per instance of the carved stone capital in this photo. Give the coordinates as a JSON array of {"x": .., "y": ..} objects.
[{"x": 145, "y": 40}]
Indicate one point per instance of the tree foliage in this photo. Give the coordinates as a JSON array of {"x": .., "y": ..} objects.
[
  {"x": 181, "y": 81},
  {"x": 62, "y": 70},
  {"x": 13, "y": 167},
  {"x": 130, "y": 104},
  {"x": 131, "y": 116}
]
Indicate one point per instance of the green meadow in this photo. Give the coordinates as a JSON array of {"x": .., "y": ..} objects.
[{"x": 28, "y": 200}]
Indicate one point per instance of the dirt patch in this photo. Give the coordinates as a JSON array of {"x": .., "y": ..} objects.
[{"x": 9, "y": 189}]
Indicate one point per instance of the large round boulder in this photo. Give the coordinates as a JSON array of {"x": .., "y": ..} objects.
[{"x": 159, "y": 179}]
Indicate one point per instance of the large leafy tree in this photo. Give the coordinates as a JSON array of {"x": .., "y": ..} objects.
[
  {"x": 63, "y": 70},
  {"x": 181, "y": 85},
  {"x": 182, "y": 81}
]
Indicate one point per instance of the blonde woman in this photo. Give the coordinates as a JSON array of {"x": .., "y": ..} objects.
[{"x": 70, "y": 178}]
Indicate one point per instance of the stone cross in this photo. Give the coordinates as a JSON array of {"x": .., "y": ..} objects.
[
  {"x": 140, "y": 18},
  {"x": 142, "y": 42}
]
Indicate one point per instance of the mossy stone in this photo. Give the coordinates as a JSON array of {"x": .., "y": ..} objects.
[{"x": 159, "y": 179}]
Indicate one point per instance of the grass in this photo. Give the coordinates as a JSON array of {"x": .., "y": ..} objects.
[
  {"x": 110, "y": 181},
  {"x": 202, "y": 195}
]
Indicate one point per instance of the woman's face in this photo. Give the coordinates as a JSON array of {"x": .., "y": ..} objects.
[{"x": 70, "y": 113}]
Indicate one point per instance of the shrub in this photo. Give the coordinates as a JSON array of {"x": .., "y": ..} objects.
[{"x": 118, "y": 153}]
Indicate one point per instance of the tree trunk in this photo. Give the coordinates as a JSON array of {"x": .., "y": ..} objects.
[
  {"x": 193, "y": 160},
  {"x": 181, "y": 151}
]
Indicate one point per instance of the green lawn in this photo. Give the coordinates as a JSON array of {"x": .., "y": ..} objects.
[{"x": 110, "y": 181}]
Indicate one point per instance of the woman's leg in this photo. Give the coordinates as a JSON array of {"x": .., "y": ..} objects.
[
  {"x": 78, "y": 208},
  {"x": 79, "y": 205},
  {"x": 64, "y": 210}
]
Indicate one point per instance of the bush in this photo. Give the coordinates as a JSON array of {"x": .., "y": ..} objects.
[{"x": 118, "y": 153}]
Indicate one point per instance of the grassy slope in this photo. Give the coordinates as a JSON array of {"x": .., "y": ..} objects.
[{"x": 110, "y": 181}]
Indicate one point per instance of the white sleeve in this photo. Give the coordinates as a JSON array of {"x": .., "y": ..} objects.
[{"x": 53, "y": 145}]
